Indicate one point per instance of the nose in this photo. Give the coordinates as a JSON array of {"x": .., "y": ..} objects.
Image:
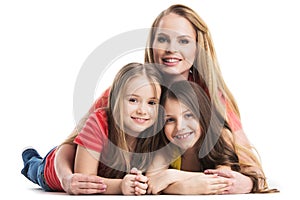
[
  {"x": 142, "y": 110},
  {"x": 172, "y": 47},
  {"x": 181, "y": 125}
]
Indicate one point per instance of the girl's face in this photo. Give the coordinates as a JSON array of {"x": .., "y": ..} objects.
[
  {"x": 182, "y": 128},
  {"x": 174, "y": 45},
  {"x": 140, "y": 105}
]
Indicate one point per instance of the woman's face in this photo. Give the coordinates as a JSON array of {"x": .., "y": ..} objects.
[
  {"x": 140, "y": 105},
  {"x": 174, "y": 45},
  {"x": 182, "y": 127}
]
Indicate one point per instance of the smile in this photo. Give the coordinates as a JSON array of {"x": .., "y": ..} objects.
[
  {"x": 139, "y": 120},
  {"x": 171, "y": 60},
  {"x": 183, "y": 136}
]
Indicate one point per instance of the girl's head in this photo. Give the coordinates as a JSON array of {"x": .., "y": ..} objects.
[
  {"x": 132, "y": 113},
  {"x": 187, "y": 115},
  {"x": 134, "y": 97},
  {"x": 191, "y": 121}
]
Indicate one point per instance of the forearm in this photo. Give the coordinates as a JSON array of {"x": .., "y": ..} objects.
[
  {"x": 178, "y": 175},
  {"x": 64, "y": 161},
  {"x": 182, "y": 184},
  {"x": 113, "y": 186}
]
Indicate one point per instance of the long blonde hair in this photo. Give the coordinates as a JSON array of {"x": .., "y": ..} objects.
[
  {"x": 115, "y": 159},
  {"x": 205, "y": 69},
  {"x": 206, "y": 72}
]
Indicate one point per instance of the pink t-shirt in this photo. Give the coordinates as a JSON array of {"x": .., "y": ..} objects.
[
  {"x": 94, "y": 134},
  {"x": 50, "y": 173}
]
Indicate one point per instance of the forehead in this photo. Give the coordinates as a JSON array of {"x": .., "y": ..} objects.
[
  {"x": 173, "y": 106},
  {"x": 140, "y": 84},
  {"x": 175, "y": 24}
]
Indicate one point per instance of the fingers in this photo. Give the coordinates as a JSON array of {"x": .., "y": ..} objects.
[
  {"x": 141, "y": 184},
  {"x": 224, "y": 173},
  {"x": 217, "y": 184},
  {"x": 140, "y": 188},
  {"x": 141, "y": 178},
  {"x": 135, "y": 171},
  {"x": 86, "y": 184}
]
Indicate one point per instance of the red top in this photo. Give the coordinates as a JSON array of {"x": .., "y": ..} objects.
[
  {"x": 50, "y": 173},
  {"x": 94, "y": 134}
]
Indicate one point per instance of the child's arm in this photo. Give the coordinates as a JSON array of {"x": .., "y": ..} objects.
[{"x": 86, "y": 162}]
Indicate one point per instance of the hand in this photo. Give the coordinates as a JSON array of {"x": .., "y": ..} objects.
[
  {"x": 134, "y": 183},
  {"x": 206, "y": 184},
  {"x": 157, "y": 183},
  {"x": 241, "y": 184},
  {"x": 83, "y": 184}
]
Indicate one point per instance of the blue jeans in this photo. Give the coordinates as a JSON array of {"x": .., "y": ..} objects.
[{"x": 34, "y": 166}]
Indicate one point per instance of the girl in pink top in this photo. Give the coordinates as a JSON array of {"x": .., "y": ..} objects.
[{"x": 110, "y": 135}]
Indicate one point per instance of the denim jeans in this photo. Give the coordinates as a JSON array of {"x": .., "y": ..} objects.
[{"x": 34, "y": 166}]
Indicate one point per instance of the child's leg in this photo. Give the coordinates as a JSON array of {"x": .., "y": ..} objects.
[{"x": 32, "y": 161}]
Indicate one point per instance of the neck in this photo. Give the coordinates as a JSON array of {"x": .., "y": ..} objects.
[
  {"x": 171, "y": 78},
  {"x": 131, "y": 142}
]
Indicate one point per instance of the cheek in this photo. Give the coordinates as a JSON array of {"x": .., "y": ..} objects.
[
  {"x": 168, "y": 129},
  {"x": 128, "y": 108},
  {"x": 190, "y": 54},
  {"x": 152, "y": 111},
  {"x": 157, "y": 52}
]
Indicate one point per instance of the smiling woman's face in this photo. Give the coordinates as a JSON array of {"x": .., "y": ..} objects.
[{"x": 174, "y": 46}]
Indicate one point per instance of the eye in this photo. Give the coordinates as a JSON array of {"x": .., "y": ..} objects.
[
  {"x": 170, "y": 120},
  {"x": 162, "y": 39},
  {"x": 184, "y": 41},
  {"x": 189, "y": 115},
  {"x": 152, "y": 102},
  {"x": 132, "y": 100}
]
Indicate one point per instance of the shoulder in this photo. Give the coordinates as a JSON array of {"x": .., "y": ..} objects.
[
  {"x": 100, "y": 116},
  {"x": 102, "y": 101}
]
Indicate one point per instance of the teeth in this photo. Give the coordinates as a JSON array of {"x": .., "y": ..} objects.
[
  {"x": 139, "y": 119},
  {"x": 182, "y": 136},
  {"x": 171, "y": 60}
]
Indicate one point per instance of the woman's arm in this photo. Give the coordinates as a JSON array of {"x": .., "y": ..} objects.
[
  {"x": 172, "y": 181},
  {"x": 199, "y": 183},
  {"x": 241, "y": 184},
  {"x": 74, "y": 183}
]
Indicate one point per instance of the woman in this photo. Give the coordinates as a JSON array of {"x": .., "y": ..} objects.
[{"x": 180, "y": 43}]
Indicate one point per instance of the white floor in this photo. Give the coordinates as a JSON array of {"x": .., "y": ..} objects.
[
  {"x": 14, "y": 184},
  {"x": 43, "y": 47}
]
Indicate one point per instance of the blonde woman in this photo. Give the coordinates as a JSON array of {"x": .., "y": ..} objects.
[{"x": 181, "y": 44}]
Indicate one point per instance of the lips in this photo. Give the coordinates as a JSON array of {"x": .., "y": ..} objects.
[
  {"x": 171, "y": 61},
  {"x": 139, "y": 120},
  {"x": 183, "y": 135}
]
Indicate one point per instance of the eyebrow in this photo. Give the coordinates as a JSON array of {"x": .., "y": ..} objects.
[
  {"x": 187, "y": 110},
  {"x": 134, "y": 95},
  {"x": 180, "y": 36}
]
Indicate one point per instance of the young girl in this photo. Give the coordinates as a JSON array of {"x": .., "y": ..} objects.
[
  {"x": 201, "y": 140},
  {"x": 109, "y": 136}
]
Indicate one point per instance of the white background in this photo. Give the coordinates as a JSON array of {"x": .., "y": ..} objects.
[{"x": 43, "y": 45}]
